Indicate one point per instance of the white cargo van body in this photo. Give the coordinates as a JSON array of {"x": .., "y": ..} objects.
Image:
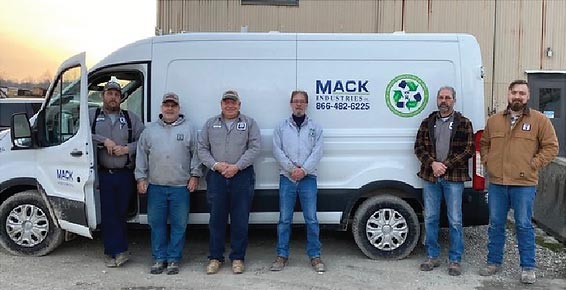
[{"x": 369, "y": 91}]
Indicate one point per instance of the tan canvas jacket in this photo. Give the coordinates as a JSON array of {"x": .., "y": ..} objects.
[{"x": 514, "y": 156}]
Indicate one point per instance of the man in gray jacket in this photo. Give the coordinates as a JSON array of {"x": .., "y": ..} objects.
[
  {"x": 167, "y": 168},
  {"x": 229, "y": 144},
  {"x": 297, "y": 147}
]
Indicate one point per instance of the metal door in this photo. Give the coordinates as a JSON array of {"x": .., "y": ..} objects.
[{"x": 548, "y": 95}]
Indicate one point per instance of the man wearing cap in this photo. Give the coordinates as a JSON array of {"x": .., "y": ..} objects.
[
  {"x": 115, "y": 133},
  {"x": 228, "y": 145},
  {"x": 167, "y": 169}
]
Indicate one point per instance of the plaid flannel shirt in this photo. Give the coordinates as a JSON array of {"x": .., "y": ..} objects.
[{"x": 461, "y": 148}]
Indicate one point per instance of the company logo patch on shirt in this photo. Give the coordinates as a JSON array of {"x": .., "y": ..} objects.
[
  {"x": 180, "y": 137},
  {"x": 312, "y": 132},
  {"x": 526, "y": 127},
  {"x": 241, "y": 126},
  {"x": 122, "y": 122}
]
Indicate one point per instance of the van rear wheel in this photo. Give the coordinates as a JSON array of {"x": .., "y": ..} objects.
[
  {"x": 26, "y": 226},
  {"x": 386, "y": 226}
]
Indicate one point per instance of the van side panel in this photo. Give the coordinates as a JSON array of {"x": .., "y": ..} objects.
[
  {"x": 353, "y": 85},
  {"x": 370, "y": 92}
]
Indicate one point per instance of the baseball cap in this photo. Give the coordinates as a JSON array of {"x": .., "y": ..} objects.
[
  {"x": 230, "y": 94},
  {"x": 170, "y": 97},
  {"x": 112, "y": 86}
]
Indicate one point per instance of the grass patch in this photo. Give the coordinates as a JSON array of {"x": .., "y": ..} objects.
[{"x": 555, "y": 247}]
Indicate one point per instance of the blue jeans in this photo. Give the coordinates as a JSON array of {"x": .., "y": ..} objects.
[
  {"x": 432, "y": 196},
  {"x": 229, "y": 197},
  {"x": 167, "y": 203},
  {"x": 115, "y": 192},
  {"x": 306, "y": 189},
  {"x": 500, "y": 199}
]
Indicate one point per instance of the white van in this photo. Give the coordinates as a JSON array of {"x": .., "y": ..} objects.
[{"x": 369, "y": 91}]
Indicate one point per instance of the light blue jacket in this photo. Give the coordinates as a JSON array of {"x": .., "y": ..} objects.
[
  {"x": 167, "y": 153},
  {"x": 294, "y": 147}
]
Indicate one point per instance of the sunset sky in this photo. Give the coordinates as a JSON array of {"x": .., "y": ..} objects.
[{"x": 37, "y": 35}]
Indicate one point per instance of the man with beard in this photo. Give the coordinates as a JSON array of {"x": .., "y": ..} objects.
[
  {"x": 297, "y": 147},
  {"x": 443, "y": 145},
  {"x": 515, "y": 145},
  {"x": 115, "y": 133}
]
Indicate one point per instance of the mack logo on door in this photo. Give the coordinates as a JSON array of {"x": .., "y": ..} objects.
[{"x": 63, "y": 174}]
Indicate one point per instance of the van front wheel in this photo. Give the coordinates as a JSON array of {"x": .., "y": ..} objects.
[
  {"x": 386, "y": 226},
  {"x": 26, "y": 227}
]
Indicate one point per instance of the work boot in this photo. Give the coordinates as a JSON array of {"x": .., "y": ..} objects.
[
  {"x": 429, "y": 264},
  {"x": 172, "y": 268},
  {"x": 318, "y": 265},
  {"x": 109, "y": 261},
  {"x": 213, "y": 266},
  {"x": 157, "y": 268},
  {"x": 454, "y": 269},
  {"x": 238, "y": 266},
  {"x": 528, "y": 276},
  {"x": 122, "y": 258},
  {"x": 278, "y": 264},
  {"x": 489, "y": 270}
]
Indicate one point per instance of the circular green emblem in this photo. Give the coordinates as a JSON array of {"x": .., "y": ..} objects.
[{"x": 406, "y": 95}]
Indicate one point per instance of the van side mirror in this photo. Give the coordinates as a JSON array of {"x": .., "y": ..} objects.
[{"x": 20, "y": 131}]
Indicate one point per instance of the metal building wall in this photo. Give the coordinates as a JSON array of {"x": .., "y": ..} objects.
[{"x": 513, "y": 34}]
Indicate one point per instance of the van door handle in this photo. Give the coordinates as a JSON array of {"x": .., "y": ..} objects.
[{"x": 76, "y": 153}]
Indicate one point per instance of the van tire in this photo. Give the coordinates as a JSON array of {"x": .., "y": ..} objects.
[
  {"x": 27, "y": 211},
  {"x": 390, "y": 242}
]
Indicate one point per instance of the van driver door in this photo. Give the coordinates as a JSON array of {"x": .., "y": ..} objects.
[{"x": 65, "y": 157}]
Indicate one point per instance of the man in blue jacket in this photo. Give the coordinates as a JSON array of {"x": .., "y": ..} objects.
[{"x": 297, "y": 147}]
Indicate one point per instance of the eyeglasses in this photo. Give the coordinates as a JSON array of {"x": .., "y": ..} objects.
[{"x": 299, "y": 102}]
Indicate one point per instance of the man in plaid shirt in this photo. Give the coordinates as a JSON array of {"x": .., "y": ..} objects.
[{"x": 444, "y": 144}]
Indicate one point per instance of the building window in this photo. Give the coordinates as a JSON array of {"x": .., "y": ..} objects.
[{"x": 271, "y": 2}]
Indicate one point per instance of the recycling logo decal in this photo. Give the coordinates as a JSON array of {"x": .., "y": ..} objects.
[{"x": 406, "y": 95}]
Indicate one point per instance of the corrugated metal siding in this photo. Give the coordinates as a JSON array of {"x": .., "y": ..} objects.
[
  {"x": 554, "y": 37},
  {"x": 518, "y": 35},
  {"x": 230, "y": 15},
  {"x": 513, "y": 35},
  {"x": 389, "y": 16}
]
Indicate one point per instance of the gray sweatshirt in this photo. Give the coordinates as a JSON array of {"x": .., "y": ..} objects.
[
  {"x": 167, "y": 153},
  {"x": 239, "y": 145},
  {"x": 294, "y": 147}
]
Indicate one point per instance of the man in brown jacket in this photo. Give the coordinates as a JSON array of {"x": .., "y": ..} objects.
[{"x": 516, "y": 143}]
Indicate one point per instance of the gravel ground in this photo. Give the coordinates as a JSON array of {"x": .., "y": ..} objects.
[
  {"x": 78, "y": 264},
  {"x": 551, "y": 264}
]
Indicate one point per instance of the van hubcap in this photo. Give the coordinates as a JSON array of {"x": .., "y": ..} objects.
[
  {"x": 27, "y": 225},
  {"x": 386, "y": 229}
]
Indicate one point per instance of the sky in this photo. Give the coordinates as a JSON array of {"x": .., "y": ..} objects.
[{"x": 36, "y": 36}]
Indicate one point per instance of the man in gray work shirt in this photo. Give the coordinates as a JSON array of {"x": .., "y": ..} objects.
[
  {"x": 228, "y": 145},
  {"x": 115, "y": 133}
]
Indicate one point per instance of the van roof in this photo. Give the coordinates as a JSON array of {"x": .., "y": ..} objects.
[{"x": 141, "y": 50}]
